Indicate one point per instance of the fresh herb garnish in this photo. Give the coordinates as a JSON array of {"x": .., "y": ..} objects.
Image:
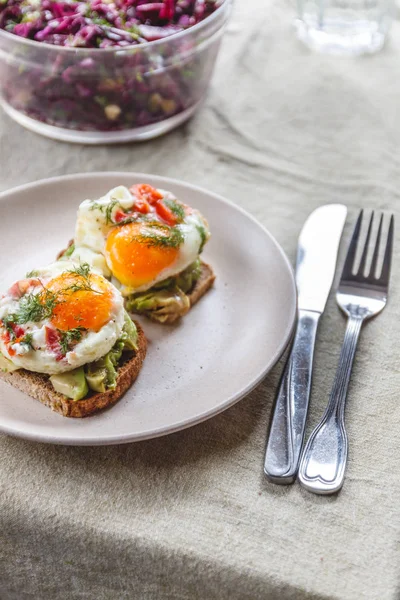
[
  {"x": 34, "y": 307},
  {"x": 156, "y": 234},
  {"x": 203, "y": 236},
  {"x": 8, "y": 323},
  {"x": 82, "y": 273},
  {"x": 83, "y": 270},
  {"x": 106, "y": 209},
  {"x": 27, "y": 340},
  {"x": 32, "y": 273},
  {"x": 70, "y": 337},
  {"x": 109, "y": 209},
  {"x": 176, "y": 208}
]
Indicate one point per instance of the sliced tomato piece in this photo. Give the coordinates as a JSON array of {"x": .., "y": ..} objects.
[
  {"x": 120, "y": 215},
  {"x": 142, "y": 206},
  {"x": 6, "y": 337},
  {"x": 144, "y": 191},
  {"x": 53, "y": 342},
  {"x": 18, "y": 331},
  {"x": 165, "y": 213}
]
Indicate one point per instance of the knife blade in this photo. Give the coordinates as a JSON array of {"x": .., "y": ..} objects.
[{"x": 315, "y": 269}]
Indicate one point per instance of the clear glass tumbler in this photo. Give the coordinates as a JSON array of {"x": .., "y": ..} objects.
[{"x": 347, "y": 27}]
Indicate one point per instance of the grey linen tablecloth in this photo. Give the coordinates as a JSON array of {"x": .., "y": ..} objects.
[{"x": 190, "y": 516}]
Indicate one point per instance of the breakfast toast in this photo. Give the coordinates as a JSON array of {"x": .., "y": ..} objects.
[{"x": 38, "y": 386}]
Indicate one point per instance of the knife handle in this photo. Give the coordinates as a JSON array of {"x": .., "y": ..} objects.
[{"x": 290, "y": 412}]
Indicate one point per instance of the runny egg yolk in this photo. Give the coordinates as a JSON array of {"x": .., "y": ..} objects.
[
  {"x": 80, "y": 301},
  {"x": 137, "y": 252}
]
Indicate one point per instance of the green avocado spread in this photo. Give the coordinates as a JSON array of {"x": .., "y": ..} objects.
[{"x": 169, "y": 297}]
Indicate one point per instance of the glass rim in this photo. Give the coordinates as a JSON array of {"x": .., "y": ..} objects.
[{"x": 226, "y": 4}]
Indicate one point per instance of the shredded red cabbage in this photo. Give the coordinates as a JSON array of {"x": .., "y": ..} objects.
[
  {"x": 101, "y": 23},
  {"x": 138, "y": 84}
]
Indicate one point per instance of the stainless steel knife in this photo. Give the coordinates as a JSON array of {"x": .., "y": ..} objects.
[{"x": 315, "y": 269}]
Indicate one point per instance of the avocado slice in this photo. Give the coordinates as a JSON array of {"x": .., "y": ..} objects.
[
  {"x": 129, "y": 335},
  {"x": 160, "y": 304},
  {"x": 101, "y": 375},
  {"x": 6, "y": 364},
  {"x": 97, "y": 379},
  {"x": 72, "y": 384}
]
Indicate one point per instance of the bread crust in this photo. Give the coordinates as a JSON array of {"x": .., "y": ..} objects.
[
  {"x": 203, "y": 284},
  {"x": 38, "y": 386}
]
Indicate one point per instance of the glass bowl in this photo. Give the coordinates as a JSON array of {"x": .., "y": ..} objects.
[{"x": 108, "y": 95}]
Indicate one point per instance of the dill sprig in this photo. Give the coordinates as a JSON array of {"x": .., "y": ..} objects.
[
  {"x": 203, "y": 237},
  {"x": 82, "y": 286},
  {"x": 96, "y": 206},
  {"x": 176, "y": 208},
  {"x": 109, "y": 209},
  {"x": 156, "y": 234},
  {"x": 82, "y": 273},
  {"x": 34, "y": 307},
  {"x": 69, "y": 338},
  {"x": 32, "y": 273},
  {"x": 27, "y": 340},
  {"x": 82, "y": 270},
  {"x": 106, "y": 209}
]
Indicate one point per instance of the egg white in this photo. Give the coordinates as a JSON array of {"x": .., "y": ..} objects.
[
  {"x": 92, "y": 228},
  {"x": 91, "y": 347}
]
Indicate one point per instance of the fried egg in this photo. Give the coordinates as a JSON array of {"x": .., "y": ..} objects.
[
  {"x": 59, "y": 318},
  {"x": 140, "y": 236}
]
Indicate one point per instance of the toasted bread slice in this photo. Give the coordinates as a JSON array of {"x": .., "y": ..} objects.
[
  {"x": 39, "y": 386},
  {"x": 203, "y": 284}
]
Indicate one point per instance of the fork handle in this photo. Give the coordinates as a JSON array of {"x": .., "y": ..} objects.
[
  {"x": 324, "y": 459},
  {"x": 289, "y": 419}
]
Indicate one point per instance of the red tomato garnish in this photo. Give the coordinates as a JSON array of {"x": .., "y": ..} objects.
[
  {"x": 53, "y": 342},
  {"x": 165, "y": 213},
  {"x": 18, "y": 331},
  {"x": 142, "y": 206},
  {"x": 120, "y": 216},
  {"x": 143, "y": 191},
  {"x": 7, "y": 339},
  {"x": 6, "y": 335}
]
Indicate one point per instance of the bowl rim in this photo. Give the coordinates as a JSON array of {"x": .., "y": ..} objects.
[{"x": 224, "y": 7}]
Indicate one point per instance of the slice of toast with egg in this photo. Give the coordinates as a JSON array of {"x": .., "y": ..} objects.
[
  {"x": 148, "y": 243},
  {"x": 38, "y": 386},
  {"x": 67, "y": 340}
]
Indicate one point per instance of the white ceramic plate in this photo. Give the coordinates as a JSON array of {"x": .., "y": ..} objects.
[{"x": 219, "y": 352}]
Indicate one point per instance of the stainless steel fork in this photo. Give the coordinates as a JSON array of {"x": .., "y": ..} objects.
[{"x": 361, "y": 296}]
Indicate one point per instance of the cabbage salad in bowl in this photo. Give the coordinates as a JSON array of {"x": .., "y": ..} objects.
[{"x": 99, "y": 70}]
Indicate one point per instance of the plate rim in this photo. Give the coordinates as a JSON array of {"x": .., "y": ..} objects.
[{"x": 186, "y": 423}]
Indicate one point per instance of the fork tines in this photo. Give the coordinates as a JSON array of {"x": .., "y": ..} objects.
[{"x": 360, "y": 274}]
